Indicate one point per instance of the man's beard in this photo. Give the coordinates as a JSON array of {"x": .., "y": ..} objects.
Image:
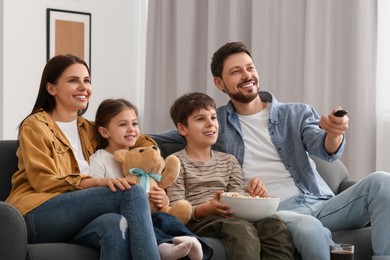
[{"x": 241, "y": 97}]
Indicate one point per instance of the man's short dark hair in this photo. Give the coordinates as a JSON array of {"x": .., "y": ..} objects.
[{"x": 222, "y": 53}]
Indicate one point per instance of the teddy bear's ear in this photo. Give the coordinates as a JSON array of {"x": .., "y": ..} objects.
[{"x": 120, "y": 155}]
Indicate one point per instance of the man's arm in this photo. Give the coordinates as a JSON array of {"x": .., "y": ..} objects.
[
  {"x": 335, "y": 128},
  {"x": 168, "y": 136}
]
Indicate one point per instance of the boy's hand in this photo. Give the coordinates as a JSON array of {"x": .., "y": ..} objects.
[
  {"x": 216, "y": 207},
  {"x": 158, "y": 197},
  {"x": 256, "y": 187}
]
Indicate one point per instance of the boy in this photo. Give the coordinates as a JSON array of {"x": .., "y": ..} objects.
[{"x": 205, "y": 174}]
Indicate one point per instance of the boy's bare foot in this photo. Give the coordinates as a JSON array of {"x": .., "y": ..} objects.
[
  {"x": 196, "y": 252},
  {"x": 174, "y": 251}
]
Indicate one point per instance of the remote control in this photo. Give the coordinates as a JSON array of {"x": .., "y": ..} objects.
[{"x": 340, "y": 113}]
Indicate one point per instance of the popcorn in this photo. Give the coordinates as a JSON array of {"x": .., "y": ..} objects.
[{"x": 243, "y": 195}]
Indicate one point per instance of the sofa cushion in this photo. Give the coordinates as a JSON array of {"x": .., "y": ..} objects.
[
  {"x": 361, "y": 238},
  {"x": 8, "y": 166},
  {"x": 11, "y": 222},
  {"x": 61, "y": 251}
]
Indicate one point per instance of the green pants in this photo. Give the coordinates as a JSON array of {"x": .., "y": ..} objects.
[{"x": 267, "y": 239}]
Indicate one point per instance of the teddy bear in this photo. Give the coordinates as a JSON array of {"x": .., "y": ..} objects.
[{"x": 147, "y": 167}]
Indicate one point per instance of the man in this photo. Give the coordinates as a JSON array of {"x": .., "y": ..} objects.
[{"x": 272, "y": 140}]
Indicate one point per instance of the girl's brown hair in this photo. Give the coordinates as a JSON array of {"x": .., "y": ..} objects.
[{"x": 107, "y": 109}]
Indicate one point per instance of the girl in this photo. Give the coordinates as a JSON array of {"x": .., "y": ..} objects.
[{"x": 116, "y": 124}]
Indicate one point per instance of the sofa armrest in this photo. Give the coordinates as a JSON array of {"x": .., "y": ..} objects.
[
  {"x": 8, "y": 166},
  {"x": 346, "y": 184},
  {"x": 333, "y": 173},
  {"x": 13, "y": 233}
]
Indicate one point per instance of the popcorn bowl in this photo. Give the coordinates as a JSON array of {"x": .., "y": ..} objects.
[{"x": 250, "y": 208}]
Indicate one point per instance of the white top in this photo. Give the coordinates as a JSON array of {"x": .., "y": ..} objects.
[
  {"x": 103, "y": 164},
  {"x": 72, "y": 133},
  {"x": 261, "y": 158}
]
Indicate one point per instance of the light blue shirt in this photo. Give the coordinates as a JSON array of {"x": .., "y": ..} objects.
[{"x": 294, "y": 131}]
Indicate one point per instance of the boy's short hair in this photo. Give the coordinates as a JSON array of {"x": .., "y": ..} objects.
[
  {"x": 222, "y": 53},
  {"x": 185, "y": 105}
]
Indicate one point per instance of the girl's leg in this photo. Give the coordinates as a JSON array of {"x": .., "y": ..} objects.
[
  {"x": 62, "y": 217},
  {"x": 195, "y": 252},
  {"x": 170, "y": 251},
  {"x": 171, "y": 227}
]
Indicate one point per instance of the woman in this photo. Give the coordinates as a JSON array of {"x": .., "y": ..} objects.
[{"x": 52, "y": 188}]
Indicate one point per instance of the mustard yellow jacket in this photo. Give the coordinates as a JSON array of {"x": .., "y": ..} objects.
[{"x": 47, "y": 165}]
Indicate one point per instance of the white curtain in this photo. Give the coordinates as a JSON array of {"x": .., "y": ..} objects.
[
  {"x": 383, "y": 90},
  {"x": 318, "y": 52}
]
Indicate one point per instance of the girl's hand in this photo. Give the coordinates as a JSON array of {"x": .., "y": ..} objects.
[
  {"x": 256, "y": 187},
  {"x": 158, "y": 197}
]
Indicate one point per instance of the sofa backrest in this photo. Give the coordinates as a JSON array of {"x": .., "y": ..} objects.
[
  {"x": 170, "y": 148},
  {"x": 8, "y": 165}
]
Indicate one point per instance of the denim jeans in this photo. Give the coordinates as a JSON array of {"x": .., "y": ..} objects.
[
  {"x": 167, "y": 226},
  {"x": 118, "y": 223},
  {"x": 310, "y": 220}
]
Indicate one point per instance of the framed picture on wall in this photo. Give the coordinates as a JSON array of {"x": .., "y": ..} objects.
[{"x": 68, "y": 32}]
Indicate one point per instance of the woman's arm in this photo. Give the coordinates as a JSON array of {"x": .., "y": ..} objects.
[
  {"x": 47, "y": 161},
  {"x": 112, "y": 183}
]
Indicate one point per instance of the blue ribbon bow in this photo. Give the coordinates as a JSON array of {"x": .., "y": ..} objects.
[{"x": 144, "y": 177}]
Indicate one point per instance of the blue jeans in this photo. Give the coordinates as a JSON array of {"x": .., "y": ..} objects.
[
  {"x": 118, "y": 223},
  {"x": 167, "y": 226},
  {"x": 310, "y": 220}
]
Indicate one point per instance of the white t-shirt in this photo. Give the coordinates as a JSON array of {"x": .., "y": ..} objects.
[
  {"x": 103, "y": 164},
  {"x": 261, "y": 158},
  {"x": 72, "y": 133}
]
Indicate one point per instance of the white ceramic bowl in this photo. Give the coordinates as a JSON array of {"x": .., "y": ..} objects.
[{"x": 252, "y": 209}]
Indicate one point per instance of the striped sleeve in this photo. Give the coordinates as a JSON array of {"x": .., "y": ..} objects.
[{"x": 198, "y": 181}]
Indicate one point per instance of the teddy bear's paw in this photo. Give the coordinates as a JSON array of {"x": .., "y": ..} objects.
[{"x": 181, "y": 209}]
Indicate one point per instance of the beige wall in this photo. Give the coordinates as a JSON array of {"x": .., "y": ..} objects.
[
  {"x": 1, "y": 71},
  {"x": 118, "y": 47}
]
